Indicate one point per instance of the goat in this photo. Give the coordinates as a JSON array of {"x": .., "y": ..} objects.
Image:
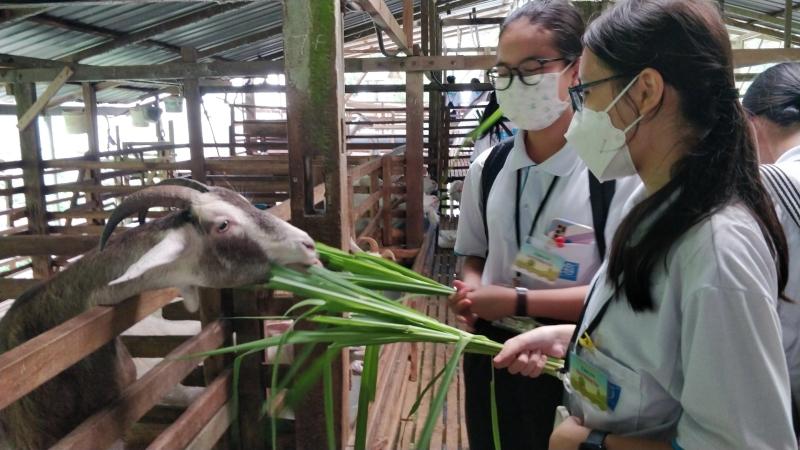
[{"x": 217, "y": 239}]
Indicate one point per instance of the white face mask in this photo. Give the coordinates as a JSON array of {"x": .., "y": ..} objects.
[
  {"x": 533, "y": 107},
  {"x": 600, "y": 144}
]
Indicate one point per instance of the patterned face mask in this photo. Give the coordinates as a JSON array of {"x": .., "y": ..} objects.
[{"x": 533, "y": 107}]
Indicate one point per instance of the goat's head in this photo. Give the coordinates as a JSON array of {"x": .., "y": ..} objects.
[{"x": 217, "y": 240}]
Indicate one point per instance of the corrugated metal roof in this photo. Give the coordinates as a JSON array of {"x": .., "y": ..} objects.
[{"x": 39, "y": 40}]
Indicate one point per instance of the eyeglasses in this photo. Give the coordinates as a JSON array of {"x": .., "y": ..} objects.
[
  {"x": 529, "y": 72},
  {"x": 576, "y": 94}
]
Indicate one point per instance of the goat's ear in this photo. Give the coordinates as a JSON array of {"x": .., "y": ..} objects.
[
  {"x": 191, "y": 298},
  {"x": 165, "y": 252}
]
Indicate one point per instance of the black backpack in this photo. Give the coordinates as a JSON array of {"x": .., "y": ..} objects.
[{"x": 600, "y": 194}]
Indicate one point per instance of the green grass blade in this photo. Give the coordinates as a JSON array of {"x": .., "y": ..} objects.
[
  {"x": 424, "y": 441},
  {"x": 422, "y": 394},
  {"x": 327, "y": 389},
  {"x": 493, "y": 410},
  {"x": 366, "y": 394}
]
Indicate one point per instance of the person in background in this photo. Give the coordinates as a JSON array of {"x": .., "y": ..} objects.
[
  {"x": 514, "y": 199},
  {"x": 679, "y": 345},
  {"x": 773, "y": 103}
]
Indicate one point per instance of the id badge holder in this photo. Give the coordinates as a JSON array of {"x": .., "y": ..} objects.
[
  {"x": 592, "y": 383},
  {"x": 537, "y": 260}
]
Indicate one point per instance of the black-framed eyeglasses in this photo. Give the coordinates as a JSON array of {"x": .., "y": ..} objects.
[
  {"x": 576, "y": 92},
  {"x": 529, "y": 72}
]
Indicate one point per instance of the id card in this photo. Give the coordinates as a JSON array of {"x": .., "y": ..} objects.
[
  {"x": 536, "y": 260},
  {"x": 571, "y": 232},
  {"x": 592, "y": 383}
]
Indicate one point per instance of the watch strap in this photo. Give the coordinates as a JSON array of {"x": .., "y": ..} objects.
[
  {"x": 595, "y": 441},
  {"x": 522, "y": 302}
]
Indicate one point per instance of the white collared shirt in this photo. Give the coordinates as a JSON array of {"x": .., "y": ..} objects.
[
  {"x": 706, "y": 365},
  {"x": 569, "y": 200},
  {"x": 789, "y": 313}
]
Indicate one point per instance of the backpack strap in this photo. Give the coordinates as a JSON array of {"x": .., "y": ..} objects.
[
  {"x": 491, "y": 168},
  {"x": 600, "y": 196},
  {"x": 783, "y": 187}
]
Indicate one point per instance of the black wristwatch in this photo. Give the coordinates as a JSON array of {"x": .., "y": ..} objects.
[
  {"x": 522, "y": 301},
  {"x": 595, "y": 441}
]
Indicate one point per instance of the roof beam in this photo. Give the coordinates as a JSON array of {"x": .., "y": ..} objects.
[
  {"x": 9, "y": 16},
  {"x": 154, "y": 30},
  {"x": 742, "y": 58},
  {"x": 16, "y": 61},
  {"x": 240, "y": 41},
  {"x": 41, "y": 102},
  {"x": 759, "y": 29},
  {"x": 383, "y": 18}
]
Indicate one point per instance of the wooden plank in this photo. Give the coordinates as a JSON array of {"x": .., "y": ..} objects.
[
  {"x": 26, "y": 367},
  {"x": 191, "y": 91},
  {"x": 754, "y": 57},
  {"x": 30, "y": 147},
  {"x": 107, "y": 425},
  {"x": 152, "y": 346},
  {"x": 181, "y": 433},
  {"x": 116, "y": 165},
  {"x": 11, "y": 288},
  {"x": 472, "y": 21},
  {"x": 253, "y": 382},
  {"x": 284, "y": 209},
  {"x": 414, "y": 167},
  {"x": 211, "y": 433},
  {"x": 386, "y": 211},
  {"x": 367, "y": 205},
  {"x": 33, "y": 111},
  {"x": 313, "y": 39},
  {"x": 383, "y": 17},
  {"x": 365, "y": 169},
  {"x": 408, "y": 22},
  {"x": 91, "y": 188}
]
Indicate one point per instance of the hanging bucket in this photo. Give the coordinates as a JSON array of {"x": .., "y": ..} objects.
[
  {"x": 173, "y": 104},
  {"x": 139, "y": 116},
  {"x": 74, "y": 121}
]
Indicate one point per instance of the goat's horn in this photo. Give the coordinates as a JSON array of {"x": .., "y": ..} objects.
[
  {"x": 185, "y": 182},
  {"x": 166, "y": 196}
]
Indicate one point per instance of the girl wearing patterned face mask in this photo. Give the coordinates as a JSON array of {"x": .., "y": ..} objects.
[{"x": 527, "y": 187}]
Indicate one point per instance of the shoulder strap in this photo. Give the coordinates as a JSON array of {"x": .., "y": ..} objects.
[
  {"x": 783, "y": 187},
  {"x": 600, "y": 196},
  {"x": 491, "y": 168}
]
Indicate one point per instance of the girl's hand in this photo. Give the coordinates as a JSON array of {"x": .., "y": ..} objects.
[
  {"x": 527, "y": 353},
  {"x": 569, "y": 435}
]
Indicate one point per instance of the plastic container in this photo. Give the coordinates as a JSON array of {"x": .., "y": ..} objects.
[
  {"x": 139, "y": 116},
  {"x": 74, "y": 121},
  {"x": 173, "y": 104}
]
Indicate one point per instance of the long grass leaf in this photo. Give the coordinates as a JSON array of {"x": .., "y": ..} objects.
[
  {"x": 424, "y": 441},
  {"x": 493, "y": 410},
  {"x": 425, "y": 390},
  {"x": 327, "y": 389}
]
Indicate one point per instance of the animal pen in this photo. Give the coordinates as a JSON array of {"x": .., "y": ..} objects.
[{"x": 310, "y": 166}]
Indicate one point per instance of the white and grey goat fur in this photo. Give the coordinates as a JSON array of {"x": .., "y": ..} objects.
[{"x": 216, "y": 239}]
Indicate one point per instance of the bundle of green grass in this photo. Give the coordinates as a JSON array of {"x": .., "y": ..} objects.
[{"x": 343, "y": 300}]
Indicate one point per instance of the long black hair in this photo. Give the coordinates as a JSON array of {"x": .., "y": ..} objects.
[
  {"x": 775, "y": 94},
  {"x": 686, "y": 42},
  {"x": 558, "y": 16}
]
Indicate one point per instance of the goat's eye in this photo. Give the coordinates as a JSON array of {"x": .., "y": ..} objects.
[{"x": 223, "y": 226}]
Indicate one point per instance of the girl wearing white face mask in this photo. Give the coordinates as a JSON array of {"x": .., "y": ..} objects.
[
  {"x": 539, "y": 193},
  {"x": 679, "y": 343}
]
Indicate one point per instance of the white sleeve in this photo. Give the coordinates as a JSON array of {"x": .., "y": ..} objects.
[
  {"x": 470, "y": 235},
  {"x": 735, "y": 388}
]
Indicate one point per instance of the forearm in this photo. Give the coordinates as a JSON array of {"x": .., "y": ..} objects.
[
  {"x": 560, "y": 304},
  {"x": 616, "y": 442},
  {"x": 472, "y": 270}
]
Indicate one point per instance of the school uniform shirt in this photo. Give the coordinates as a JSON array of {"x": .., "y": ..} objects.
[
  {"x": 706, "y": 365},
  {"x": 569, "y": 200},
  {"x": 789, "y": 313}
]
